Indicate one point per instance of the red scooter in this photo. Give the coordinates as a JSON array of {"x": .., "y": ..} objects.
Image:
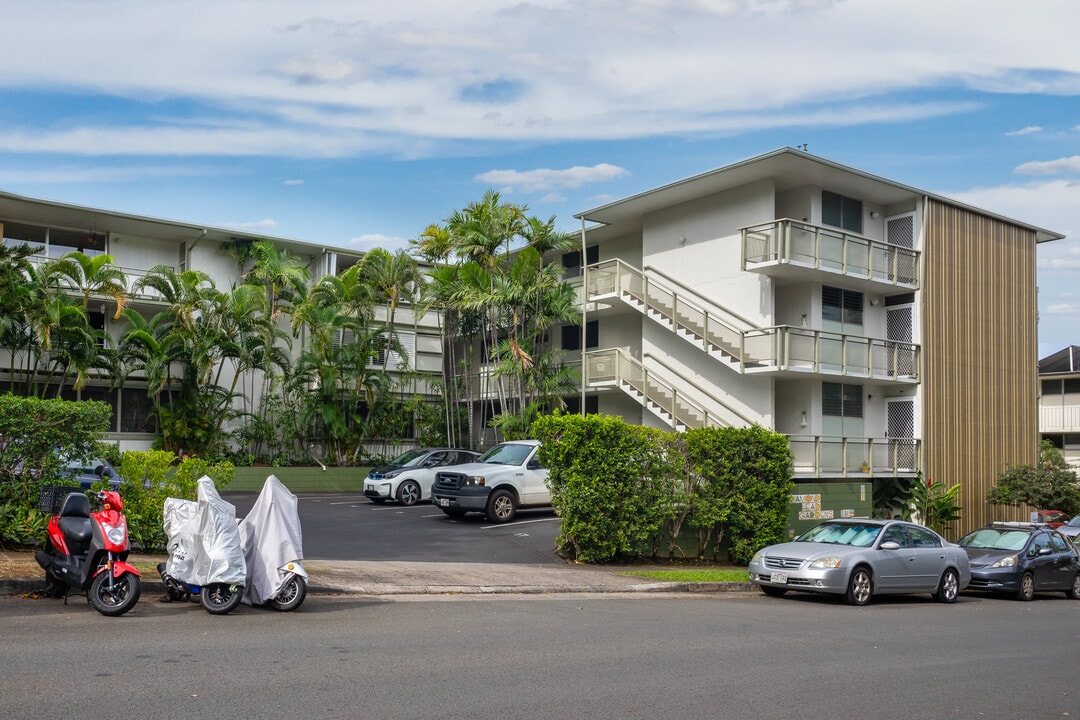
[{"x": 88, "y": 551}]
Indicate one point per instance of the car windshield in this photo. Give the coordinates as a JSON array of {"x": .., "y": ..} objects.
[
  {"x": 85, "y": 466},
  {"x": 407, "y": 459},
  {"x": 854, "y": 534},
  {"x": 1075, "y": 522},
  {"x": 506, "y": 454},
  {"x": 995, "y": 539}
]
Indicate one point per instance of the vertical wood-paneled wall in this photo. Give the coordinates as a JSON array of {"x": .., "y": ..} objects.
[{"x": 980, "y": 355}]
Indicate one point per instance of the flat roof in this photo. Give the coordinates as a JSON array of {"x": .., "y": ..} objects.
[{"x": 789, "y": 169}]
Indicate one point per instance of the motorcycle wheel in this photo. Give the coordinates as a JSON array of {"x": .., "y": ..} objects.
[
  {"x": 114, "y": 596},
  {"x": 291, "y": 596},
  {"x": 221, "y": 599}
]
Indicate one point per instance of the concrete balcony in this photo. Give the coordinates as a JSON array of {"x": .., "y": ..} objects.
[{"x": 799, "y": 251}]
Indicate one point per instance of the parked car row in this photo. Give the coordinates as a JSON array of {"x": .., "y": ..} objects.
[
  {"x": 497, "y": 483},
  {"x": 861, "y": 558}
]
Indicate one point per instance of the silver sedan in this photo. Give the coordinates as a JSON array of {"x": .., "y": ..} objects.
[{"x": 862, "y": 558}]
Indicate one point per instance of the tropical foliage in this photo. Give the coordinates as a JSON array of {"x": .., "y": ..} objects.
[
  {"x": 1050, "y": 485},
  {"x": 284, "y": 369},
  {"x": 501, "y": 299}
]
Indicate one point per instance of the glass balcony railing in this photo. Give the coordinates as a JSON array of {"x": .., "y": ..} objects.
[
  {"x": 823, "y": 455},
  {"x": 790, "y": 242}
]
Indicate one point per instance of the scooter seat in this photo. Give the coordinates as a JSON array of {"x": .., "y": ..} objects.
[
  {"x": 78, "y": 533},
  {"x": 75, "y": 524}
]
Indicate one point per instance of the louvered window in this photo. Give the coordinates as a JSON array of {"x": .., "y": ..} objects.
[
  {"x": 841, "y": 400},
  {"x": 842, "y": 212},
  {"x": 839, "y": 305}
]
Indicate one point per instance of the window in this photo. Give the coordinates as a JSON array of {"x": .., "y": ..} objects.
[
  {"x": 573, "y": 405},
  {"x": 923, "y": 538},
  {"x": 841, "y": 400},
  {"x": 842, "y": 212},
  {"x": 572, "y": 260},
  {"x": 571, "y": 336},
  {"x": 843, "y": 306}
]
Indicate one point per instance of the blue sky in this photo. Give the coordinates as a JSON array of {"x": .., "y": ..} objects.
[{"x": 356, "y": 124}]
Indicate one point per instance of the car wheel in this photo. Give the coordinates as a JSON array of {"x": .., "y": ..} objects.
[
  {"x": 502, "y": 507},
  {"x": 1027, "y": 587},
  {"x": 772, "y": 591},
  {"x": 948, "y": 588},
  {"x": 408, "y": 493},
  {"x": 860, "y": 587},
  {"x": 1074, "y": 591}
]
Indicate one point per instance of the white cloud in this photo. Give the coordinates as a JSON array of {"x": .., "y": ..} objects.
[
  {"x": 1062, "y": 309},
  {"x": 1051, "y": 167},
  {"x": 329, "y": 78},
  {"x": 293, "y": 182},
  {"x": 374, "y": 240},
  {"x": 542, "y": 179},
  {"x": 1029, "y": 130},
  {"x": 552, "y": 198}
]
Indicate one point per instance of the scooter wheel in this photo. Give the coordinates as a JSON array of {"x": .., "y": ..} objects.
[
  {"x": 221, "y": 598},
  {"x": 114, "y": 596},
  {"x": 291, "y": 596}
]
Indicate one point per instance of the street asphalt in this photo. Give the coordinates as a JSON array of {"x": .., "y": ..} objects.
[{"x": 384, "y": 577}]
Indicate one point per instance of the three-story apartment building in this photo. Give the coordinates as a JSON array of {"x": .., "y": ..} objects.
[
  {"x": 888, "y": 331},
  {"x": 138, "y": 244},
  {"x": 1059, "y": 401}
]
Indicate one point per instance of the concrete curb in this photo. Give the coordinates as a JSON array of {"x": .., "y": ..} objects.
[{"x": 28, "y": 586}]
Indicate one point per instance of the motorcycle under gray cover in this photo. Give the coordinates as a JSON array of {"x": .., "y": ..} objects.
[
  {"x": 204, "y": 542},
  {"x": 270, "y": 536}
]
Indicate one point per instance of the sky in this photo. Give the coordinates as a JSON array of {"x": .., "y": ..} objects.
[{"x": 357, "y": 124}]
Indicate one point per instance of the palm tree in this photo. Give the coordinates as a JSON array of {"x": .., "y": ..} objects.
[
  {"x": 395, "y": 278},
  {"x": 93, "y": 276}
]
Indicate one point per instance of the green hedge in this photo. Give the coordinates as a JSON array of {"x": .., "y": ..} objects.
[{"x": 626, "y": 492}]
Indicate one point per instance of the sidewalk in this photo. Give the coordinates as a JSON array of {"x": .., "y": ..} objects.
[{"x": 431, "y": 578}]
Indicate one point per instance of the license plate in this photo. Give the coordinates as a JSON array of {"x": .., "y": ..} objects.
[
  {"x": 779, "y": 578},
  {"x": 444, "y": 502}
]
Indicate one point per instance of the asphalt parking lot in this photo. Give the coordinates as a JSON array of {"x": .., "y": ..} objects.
[{"x": 348, "y": 526}]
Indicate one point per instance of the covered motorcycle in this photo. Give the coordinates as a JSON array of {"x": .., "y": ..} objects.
[
  {"x": 272, "y": 542},
  {"x": 205, "y": 557}
]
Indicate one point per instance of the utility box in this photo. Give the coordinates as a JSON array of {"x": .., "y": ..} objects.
[{"x": 813, "y": 502}]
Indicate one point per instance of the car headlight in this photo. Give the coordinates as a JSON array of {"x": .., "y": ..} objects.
[
  {"x": 1009, "y": 561},
  {"x": 475, "y": 480},
  {"x": 391, "y": 474},
  {"x": 756, "y": 558},
  {"x": 826, "y": 562}
]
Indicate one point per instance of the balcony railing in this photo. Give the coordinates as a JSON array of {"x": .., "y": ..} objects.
[
  {"x": 818, "y": 455},
  {"x": 797, "y": 349},
  {"x": 740, "y": 345},
  {"x": 1063, "y": 419},
  {"x": 825, "y": 248}
]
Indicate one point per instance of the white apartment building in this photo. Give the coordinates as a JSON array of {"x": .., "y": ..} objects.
[
  {"x": 139, "y": 243},
  {"x": 888, "y": 331}
]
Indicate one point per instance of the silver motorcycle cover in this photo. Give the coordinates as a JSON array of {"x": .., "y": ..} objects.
[
  {"x": 271, "y": 537},
  {"x": 204, "y": 542}
]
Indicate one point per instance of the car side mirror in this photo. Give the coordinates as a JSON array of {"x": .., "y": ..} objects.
[
  {"x": 890, "y": 545},
  {"x": 1045, "y": 551}
]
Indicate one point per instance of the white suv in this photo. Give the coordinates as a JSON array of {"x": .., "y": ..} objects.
[{"x": 408, "y": 477}]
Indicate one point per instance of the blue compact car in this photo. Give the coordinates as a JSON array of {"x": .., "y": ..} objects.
[{"x": 1022, "y": 559}]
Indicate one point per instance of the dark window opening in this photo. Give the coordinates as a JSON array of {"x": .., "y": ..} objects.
[
  {"x": 571, "y": 336},
  {"x": 842, "y": 212},
  {"x": 573, "y": 404},
  {"x": 841, "y": 400},
  {"x": 572, "y": 260},
  {"x": 839, "y": 305}
]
